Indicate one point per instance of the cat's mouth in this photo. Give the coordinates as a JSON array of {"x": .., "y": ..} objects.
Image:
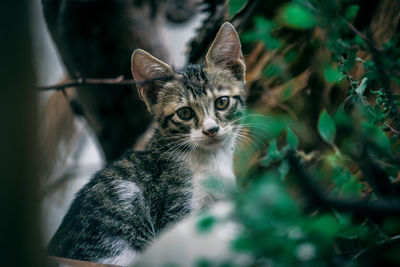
[
  {"x": 207, "y": 142},
  {"x": 213, "y": 142}
]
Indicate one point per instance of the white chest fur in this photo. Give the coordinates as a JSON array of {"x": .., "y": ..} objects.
[{"x": 216, "y": 165}]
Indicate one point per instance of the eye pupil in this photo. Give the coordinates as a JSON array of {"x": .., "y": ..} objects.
[
  {"x": 185, "y": 113},
  {"x": 221, "y": 103}
]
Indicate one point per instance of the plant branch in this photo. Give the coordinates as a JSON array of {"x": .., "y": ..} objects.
[
  {"x": 376, "y": 177},
  {"x": 111, "y": 81},
  {"x": 317, "y": 197}
]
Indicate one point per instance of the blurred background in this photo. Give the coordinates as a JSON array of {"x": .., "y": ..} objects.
[{"x": 318, "y": 166}]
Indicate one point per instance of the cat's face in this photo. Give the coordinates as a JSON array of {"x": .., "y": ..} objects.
[{"x": 200, "y": 106}]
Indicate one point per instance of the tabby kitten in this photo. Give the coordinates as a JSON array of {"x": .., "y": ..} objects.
[{"x": 127, "y": 204}]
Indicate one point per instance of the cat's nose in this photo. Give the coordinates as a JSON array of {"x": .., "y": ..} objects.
[
  {"x": 212, "y": 131},
  {"x": 210, "y": 127}
]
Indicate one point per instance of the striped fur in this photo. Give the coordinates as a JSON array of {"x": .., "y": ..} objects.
[{"x": 128, "y": 203}]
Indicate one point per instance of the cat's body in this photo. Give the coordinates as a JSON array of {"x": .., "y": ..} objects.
[
  {"x": 127, "y": 204},
  {"x": 126, "y": 199}
]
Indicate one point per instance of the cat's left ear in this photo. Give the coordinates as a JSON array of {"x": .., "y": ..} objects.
[
  {"x": 146, "y": 67},
  {"x": 226, "y": 53}
]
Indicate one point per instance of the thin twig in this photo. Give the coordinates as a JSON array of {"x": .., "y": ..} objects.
[
  {"x": 111, "y": 81},
  {"x": 391, "y": 128}
]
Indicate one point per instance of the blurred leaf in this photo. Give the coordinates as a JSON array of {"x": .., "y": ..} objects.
[
  {"x": 293, "y": 86},
  {"x": 297, "y": 16},
  {"x": 359, "y": 41},
  {"x": 332, "y": 75},
  {"x": 262, "y": 32},
  {"x": 375, "y": 135},
  {"x": 203, "y": 262},
  {"x": 351, "y": 187},
  {"x": 290, "y": 56},
  {"x": 266, "y": 127},
  {"x": 205, "y": 223},
  {"x": 326, "y": 127},
  {"x": 365, "y": 109},
  {"x": 273, "y": 153},
  {"x": 343, "y": 219},
  {"x": 235, "y": 6},
  {"x": 273, "y": 70},
  {"x": 291, "y": 139},
  {"x": 391, "y": 226},
  {"x": 342, "y": 119},
  {"x": 351, "y": 11},
  {"x": 326, "y": 226},
  {"x": 346, "y": 184},
  {"x": 273, "y": 197},
  {"x": 354, "y": 232}
]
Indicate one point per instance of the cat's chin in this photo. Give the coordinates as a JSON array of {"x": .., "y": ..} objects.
[{"x": 212, "y": 143}]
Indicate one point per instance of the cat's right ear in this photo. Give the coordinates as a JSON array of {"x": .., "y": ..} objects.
[
  {"x": 226, "y": 53},
  {"x": 146, "y": 67}
]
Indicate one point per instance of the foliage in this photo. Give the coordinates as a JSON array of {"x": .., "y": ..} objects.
[{"x": 342, "y": 130}]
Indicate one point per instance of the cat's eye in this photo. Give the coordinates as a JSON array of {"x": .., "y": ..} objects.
[
  {"x": 221, "y": 103},
  {"x": 185, "y": 113}
]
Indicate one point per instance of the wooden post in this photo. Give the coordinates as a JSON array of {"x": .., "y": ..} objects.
[{"x": 19, "y": 206}]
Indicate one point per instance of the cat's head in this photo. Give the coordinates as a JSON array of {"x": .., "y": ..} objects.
[{"x": 199, "y": 106}]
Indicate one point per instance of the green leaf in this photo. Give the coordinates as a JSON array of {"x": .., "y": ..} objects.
[
  {"x": 351, "y": 188},
  {"x": 266, "y": 126},
  {"x": 273, "y": 153},
  {"x": 341, "y": 117},
  {"x": 297, "y": 16},
  {"x": 332, "y": 75},
  {"x": 351, "y": 11},
  {"x": 359, "y": 41},
  {"x": 325, "y": 226},
  {"x": 326, "y": 127},
  {"x": 353, "y": 232},
  {"x": 235, "y": 6},
  {"x": 291, "y": 139},
  {"x": 290, "y": 56},
  {"x": 206, "y": 223},
  {"x": 262, "y": 31},
  {"x": 203, "y": 263},
  {"x": 375, "y": 135},
  {"x": 273, "y": 70},
  {"x": 361, "y": 88},
  {"x": 344, "y": 219}
]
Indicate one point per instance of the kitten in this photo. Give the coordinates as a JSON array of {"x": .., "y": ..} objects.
[{"x": 127, "y": 204}]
